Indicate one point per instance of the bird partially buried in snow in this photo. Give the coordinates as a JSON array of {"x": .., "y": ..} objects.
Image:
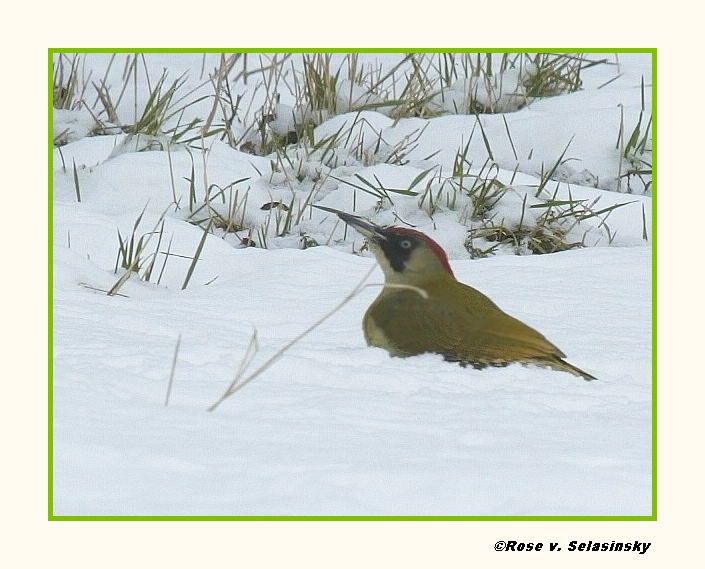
[{"x": 423, "y": 308}]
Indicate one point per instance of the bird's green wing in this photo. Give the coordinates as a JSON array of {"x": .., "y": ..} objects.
[{"x": 474, "y": 331}]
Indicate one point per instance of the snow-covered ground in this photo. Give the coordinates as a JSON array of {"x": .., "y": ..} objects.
[{"x": 335, "y": 427}]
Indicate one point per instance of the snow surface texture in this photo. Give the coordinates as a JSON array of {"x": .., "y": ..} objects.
[{"x": 336, "y": 427}]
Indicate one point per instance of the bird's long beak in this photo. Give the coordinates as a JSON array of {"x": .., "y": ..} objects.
[
  {"x": 373, "y": 232},
  {"x": 364, "y": 226}
]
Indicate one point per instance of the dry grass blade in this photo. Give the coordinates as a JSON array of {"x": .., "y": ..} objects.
[
  {"x": 173, "y": 371},
  {"x": 239, "y": 382}
]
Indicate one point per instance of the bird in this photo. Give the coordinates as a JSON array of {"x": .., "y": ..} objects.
[{"x": 423, "y": 308}]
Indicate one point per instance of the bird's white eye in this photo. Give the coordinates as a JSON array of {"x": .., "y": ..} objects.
[{"x": 405, "y": 244}]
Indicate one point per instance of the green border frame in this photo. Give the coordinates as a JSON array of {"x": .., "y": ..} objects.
[{"x": 654, "y": 398}]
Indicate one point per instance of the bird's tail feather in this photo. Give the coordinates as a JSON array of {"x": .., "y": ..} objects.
[{"x": 563, "y": 365}]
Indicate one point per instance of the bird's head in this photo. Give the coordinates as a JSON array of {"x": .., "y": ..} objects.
[{"x": 405, "y": 255}]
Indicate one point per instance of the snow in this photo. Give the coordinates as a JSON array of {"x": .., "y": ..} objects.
[{"x": 335, "y": 427}]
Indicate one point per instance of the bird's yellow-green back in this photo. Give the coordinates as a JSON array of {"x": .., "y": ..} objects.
[{"x": 455, "y": 320}]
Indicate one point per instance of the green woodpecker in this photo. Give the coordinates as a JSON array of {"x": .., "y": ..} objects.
[{"x": 423, "y": 308}]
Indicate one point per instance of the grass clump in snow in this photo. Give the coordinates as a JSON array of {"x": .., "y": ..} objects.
[
  {"x": 420, "y": 85},
  {"x": 66, "y": 94},
  {"x": 504, "y": 217},
  {"x": 529, "y": 223},
  {"x": 551, "y": 74},
  {"x": 247, "y": 112},
  {"x": 136, "y": 257},
  {"x": 133, "y": 255},
  {"x": 157, "y": 120},
  {"x": 635, "y": 152},
  {"x": 498, "y": 83}
]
